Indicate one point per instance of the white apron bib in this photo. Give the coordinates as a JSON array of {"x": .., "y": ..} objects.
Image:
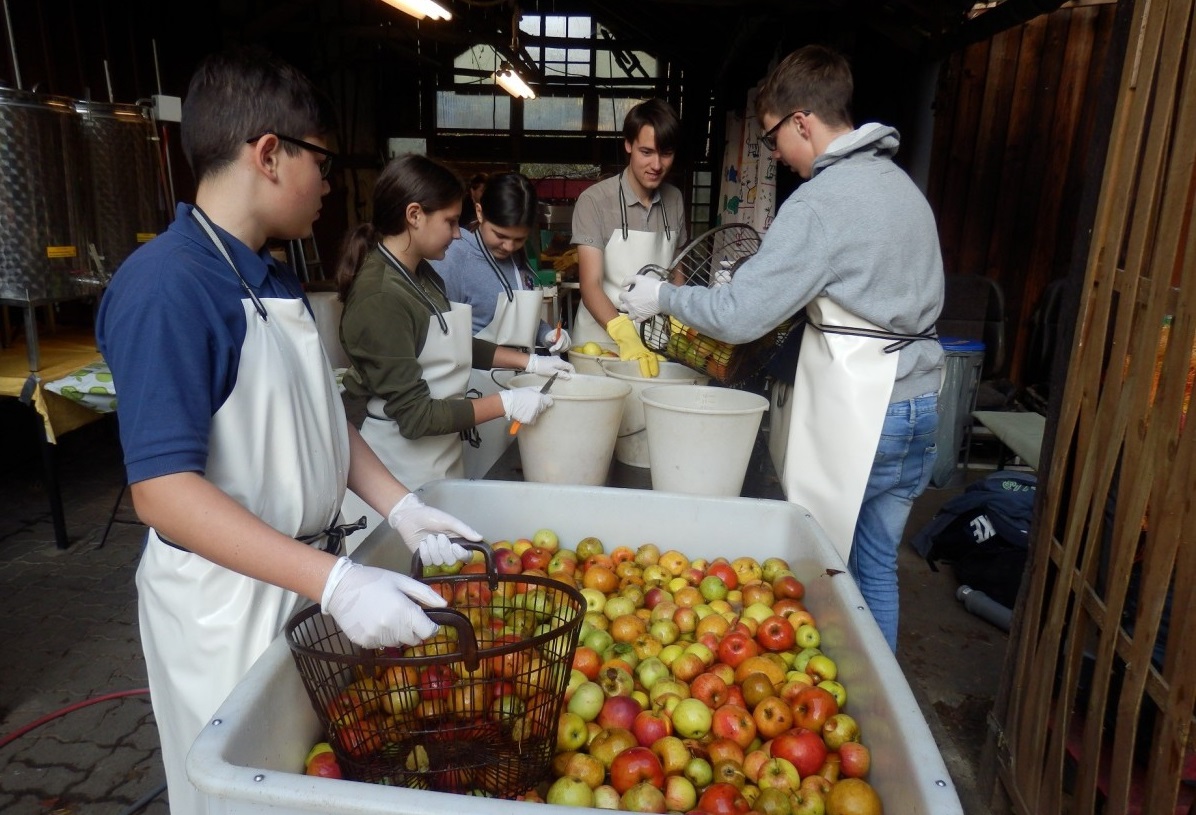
[
  {"x": 516, "y": 320},
  {"x": 280, "y": 447},
  {"x": 627, "y": 251},
  {"x": 838, "y": 402},
  {"x": 446, "y": 361}
]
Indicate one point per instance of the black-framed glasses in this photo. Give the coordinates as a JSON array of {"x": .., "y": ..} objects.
[
  {"x": 325, "y": 164},
  {"x": 769, "y": 139}
]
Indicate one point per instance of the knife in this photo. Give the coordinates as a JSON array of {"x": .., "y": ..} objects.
[{"x": 515, "y": 425}]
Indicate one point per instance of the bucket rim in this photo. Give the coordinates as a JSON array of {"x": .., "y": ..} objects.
[
  {"x": 688, "y": 379},
  {"x": 558, "y": 394},
  {"x": 674, "y": 390}
]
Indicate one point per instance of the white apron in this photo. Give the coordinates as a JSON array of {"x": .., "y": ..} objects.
[
  {"x": 446, "y": 361},
  {"x": 627, "y": 251},
  {"x": 836, "y": 410},
  {"x": 516, "y": 320},
  {"x": 279, "y": 446}
]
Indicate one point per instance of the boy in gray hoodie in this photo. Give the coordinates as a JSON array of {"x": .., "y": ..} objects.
[{"x": 859, "y": 234}]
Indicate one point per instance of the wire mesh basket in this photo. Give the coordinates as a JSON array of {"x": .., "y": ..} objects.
[
  {"x": 473, "y": 709},
  {"x": 710, "y": 260}
]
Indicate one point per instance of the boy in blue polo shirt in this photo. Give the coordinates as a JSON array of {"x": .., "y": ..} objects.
[{"x": 235, "y": 440}]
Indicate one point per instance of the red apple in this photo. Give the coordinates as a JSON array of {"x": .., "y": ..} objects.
[
  {"x": 788, "y": 587},
  {"x": 507, "y": 562},
  {"x": 536, "y": 558},
  {"x": 721, "y": 798},
  {"x": 650, "y": 726},
  {"x": 801, "y": 747},
  {"x": 734, "y": 723},
  {"x": 855, "y": 760},
  {"x": 735, "y": 647},
  {"x": 723, "y": 571},
  {"x": 634, "y": 765},
  {"x": 710, "y": 688},
  {"x": 776, "y": 634},
  {"x": 618, "y": 711},
  {"x": 812, "y": 706}
]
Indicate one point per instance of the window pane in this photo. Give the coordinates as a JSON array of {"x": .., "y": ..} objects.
[
  {"x": 580, "y": 27},
  {"x": 459, "y": 111},
  {"x": 612, "y": 111},
  {"x": 553, "y": 113},
  {"x": 555, "y": 26},
  {"x": 479, "y": 57},
  {"x": 554, "y": 54},
  {"x": 530, "y": 24}
]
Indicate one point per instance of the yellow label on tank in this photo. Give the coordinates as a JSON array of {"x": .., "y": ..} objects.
[{"x": 61, "y": 252}]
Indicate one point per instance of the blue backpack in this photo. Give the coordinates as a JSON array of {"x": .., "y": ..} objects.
[{"x": 984, "y": 534}]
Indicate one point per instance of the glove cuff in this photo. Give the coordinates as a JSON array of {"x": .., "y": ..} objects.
[
  {"x": 339, "y": 569},
  {"x": 531, "y": 365},
  {"x": 616, "y": 322},
  {"x": 408, "y": 502},
  {"x": 506, "y": 397}
]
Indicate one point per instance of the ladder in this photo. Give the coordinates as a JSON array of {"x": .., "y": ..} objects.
[{"x": 304, "y": 257}]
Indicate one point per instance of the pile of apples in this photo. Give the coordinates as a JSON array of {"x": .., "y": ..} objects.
[{"x": 696, "y": 687}]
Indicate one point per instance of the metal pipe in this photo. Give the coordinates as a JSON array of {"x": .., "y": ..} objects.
[
  {"x": 12, "y": 47},
  {"x": 108, "y": 80},
  {"x": 164, "y": 142}
]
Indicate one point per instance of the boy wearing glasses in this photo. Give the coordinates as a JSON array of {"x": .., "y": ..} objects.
[
  {"x": 856, "y": 246},
  {"x": 235, "y": 441}
]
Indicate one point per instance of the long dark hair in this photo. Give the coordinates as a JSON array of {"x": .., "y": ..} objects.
[
  {"x": 408, "y": 179},
  {"x": 509, "y": 199}
]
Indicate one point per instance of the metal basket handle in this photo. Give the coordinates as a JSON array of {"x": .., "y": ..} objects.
[
  {"x": 467, "y": 640},
  {"x": 417, "y": 566}
]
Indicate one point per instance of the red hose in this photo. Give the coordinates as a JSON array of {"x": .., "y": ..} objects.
[{"x": 49, "y": 717}]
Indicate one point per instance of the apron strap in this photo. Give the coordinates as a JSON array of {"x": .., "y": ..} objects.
[
  {"x": 899, "y": 341},
  {"x": 398, "y": 266},
  {"x": 333, "y": 537},
  {"x": 202, "y": 219},
  {"x": 502, "y": 278},
  {"x": 664, "y": 213}
]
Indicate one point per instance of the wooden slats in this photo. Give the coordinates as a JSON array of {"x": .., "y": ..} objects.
[{"x": 1112, "y": 534}]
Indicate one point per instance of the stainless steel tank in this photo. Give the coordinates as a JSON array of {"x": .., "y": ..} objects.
[
  {"x": 127, "y": 201},
  {"x": 44, "y": 192}
]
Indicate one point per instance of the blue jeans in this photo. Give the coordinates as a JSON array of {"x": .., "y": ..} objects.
[{"x": 900, "y": 472}]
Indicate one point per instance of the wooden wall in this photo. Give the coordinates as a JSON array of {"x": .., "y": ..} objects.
[{"x": 1013, "y": 122}]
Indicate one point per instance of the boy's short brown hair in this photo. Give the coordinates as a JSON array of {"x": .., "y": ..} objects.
[{"x": 814, "y": 78}]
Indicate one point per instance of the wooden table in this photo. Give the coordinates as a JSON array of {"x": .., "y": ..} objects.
[{"x": 60, "y": 353}]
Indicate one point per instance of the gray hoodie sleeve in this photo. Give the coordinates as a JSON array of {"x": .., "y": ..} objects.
[{"x": 787, "y": 273}]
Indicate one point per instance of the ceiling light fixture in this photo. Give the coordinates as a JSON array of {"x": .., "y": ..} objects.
[
  {"x": 506, "y": 76},
  {"x": 419, "y": 9},
  {"x": 513, "y": 83}
]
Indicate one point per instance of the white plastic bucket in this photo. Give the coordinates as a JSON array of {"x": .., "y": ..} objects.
[
  {"x": 572, "y": 442},
  {"x": 589, "y": 364},
  {"x": 701, "y": 438},
  {"x": 632, "y": 445}
]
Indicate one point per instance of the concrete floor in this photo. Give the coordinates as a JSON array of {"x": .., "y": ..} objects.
[{"x": 69, "y": 635}]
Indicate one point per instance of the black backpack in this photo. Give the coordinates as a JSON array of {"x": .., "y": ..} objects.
[{"x": 984, "y": 534}]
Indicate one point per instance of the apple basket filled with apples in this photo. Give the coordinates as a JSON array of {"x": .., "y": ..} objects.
[
  {"x": 692, "y": 686},
  {"x": 472, "y": 709}
]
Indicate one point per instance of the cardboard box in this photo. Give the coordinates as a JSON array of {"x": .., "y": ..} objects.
[{"x": 250, "y": 758}]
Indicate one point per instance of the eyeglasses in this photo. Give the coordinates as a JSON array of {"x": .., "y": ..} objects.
[
  {"x": 769, "y": 139},
  {"x": 325, "y": 164}
]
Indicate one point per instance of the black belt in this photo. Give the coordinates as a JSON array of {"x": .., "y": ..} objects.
[{"x": 333, "y": 537}]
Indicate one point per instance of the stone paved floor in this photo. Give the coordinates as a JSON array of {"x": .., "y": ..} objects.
[{"x": 69, "y": 635}]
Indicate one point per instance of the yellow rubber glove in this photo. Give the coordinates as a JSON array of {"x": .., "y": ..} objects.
[{"x": 623, "y": 332}]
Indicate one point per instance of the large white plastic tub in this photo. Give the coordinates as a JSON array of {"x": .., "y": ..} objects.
[{"x": 249, "y": 760}]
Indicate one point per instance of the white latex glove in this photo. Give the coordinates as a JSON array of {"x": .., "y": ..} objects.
[
  {"x": 562, "y": 343},
  {"x": 425, "y": 530},
  {"x": 640, "y": 296},
  {"x": 722, "y": 275},
  {"x": 524, "y": 405},
  {"x": 377, "y": 607},
  {"x": 547, "y": 366}
]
